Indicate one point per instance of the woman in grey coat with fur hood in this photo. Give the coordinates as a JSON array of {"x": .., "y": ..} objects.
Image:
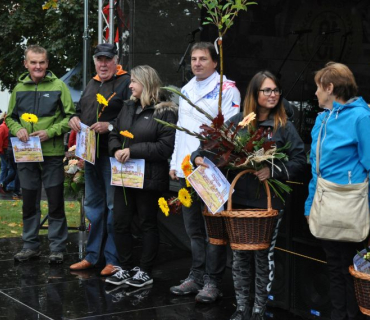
[{"x": 154, "y": 143}]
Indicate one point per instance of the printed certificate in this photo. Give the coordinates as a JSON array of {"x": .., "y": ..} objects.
[
  {"x": 131, "y": 173},
  {"x": 211, "y": 185},
  {"x": 86, "y": 144},
  {"x": 29, "y": 151}
]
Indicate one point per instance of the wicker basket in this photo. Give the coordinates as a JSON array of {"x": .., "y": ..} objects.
[
  {"x": 249, "y": 229},
  {"x": 216, "y": 228},
  {"x": 362, "y": 289}
]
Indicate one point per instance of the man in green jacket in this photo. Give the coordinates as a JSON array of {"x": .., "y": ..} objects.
[{"x": 41, "y": 93}]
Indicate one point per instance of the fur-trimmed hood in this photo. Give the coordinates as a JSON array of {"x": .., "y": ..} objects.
[{"x": 165, "y": 106}]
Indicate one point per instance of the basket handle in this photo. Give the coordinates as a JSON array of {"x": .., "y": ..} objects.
[{"x": 229, "y": 202}]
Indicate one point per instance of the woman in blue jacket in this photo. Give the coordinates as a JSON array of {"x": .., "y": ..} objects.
[{"x": 344, "y": 159}]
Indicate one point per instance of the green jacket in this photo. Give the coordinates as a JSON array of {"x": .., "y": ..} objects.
[{"x": 50, "y": 100}]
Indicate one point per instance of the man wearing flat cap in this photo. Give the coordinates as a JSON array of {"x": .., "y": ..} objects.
[{"x": 112, "y": 82}]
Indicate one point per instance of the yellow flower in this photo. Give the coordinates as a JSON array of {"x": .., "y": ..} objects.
[
  {"x": 188, "y": 185},
  {"x": 247, "y": 120},
  {"x": 29, "y": 117},
  {"x": 164, "y": 206},
  {"x": 126, "y": 134},
  {"x": 186, "y": 166},
  {"x": 185, "y": 197},
  {"x": 101, "y": 99}
]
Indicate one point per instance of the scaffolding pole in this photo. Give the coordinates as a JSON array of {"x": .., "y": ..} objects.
[{"x": 86, "y": 40}]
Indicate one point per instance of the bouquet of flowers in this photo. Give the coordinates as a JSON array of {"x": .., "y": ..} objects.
[
  {"x": 74, "y": 178},
  {"x": 184, "y": 197},
  {"x": 234, "y": 147}
]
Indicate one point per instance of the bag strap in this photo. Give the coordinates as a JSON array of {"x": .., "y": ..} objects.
[{"x": 318, "y": 149}]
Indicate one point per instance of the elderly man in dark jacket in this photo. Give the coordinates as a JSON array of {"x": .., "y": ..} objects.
[{"x": 112, "y": 83}]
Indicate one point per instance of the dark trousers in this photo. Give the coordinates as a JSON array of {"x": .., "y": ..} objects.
[
  {"x": 208, "y": 260},
  {"x": 51, "y": 174},
  {"x": 145, "y": 204},
  {"x": 339, "y": 256}
]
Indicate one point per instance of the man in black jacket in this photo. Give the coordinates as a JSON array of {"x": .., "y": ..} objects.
[{"x": 113, "y": 84}]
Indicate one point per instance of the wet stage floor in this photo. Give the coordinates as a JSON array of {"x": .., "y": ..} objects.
[{"x": 35, "y": 290}]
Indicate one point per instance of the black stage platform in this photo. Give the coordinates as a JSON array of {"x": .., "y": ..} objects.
[{"x": 34, "y": 290}]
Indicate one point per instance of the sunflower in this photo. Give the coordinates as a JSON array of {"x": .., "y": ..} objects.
[
  {"x": 186, "y": 166},
  {"x": 29, "y": 117},
  {"x": 101, "y": 99},
  {"x": 126, "y": 134},
  {"x": 185, "y": 197},
  {"x": 163, "y": 205}
]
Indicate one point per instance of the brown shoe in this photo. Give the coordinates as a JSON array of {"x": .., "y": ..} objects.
[
  {"x": 82, "y": 265},
  {"x": 109, "y": 270}
]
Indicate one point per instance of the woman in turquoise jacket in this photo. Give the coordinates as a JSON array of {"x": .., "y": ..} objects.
[{"x": 344, "y": 159}]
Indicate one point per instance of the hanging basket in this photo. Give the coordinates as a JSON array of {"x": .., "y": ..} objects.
[
  {"x": 362, "y": 289},
  {"x": 249, "y": 229},
  {"x": 216, "y": 228}
]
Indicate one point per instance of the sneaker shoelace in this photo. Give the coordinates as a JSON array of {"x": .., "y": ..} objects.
[
  {"x": 140, "y": 275},
  {"x": 120, "y": 272}
]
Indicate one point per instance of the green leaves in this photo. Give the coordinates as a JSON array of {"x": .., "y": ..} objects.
[{"x": 222, "y": 15}]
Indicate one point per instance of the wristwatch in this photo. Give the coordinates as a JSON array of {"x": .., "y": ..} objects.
[{"x": 110, "y": 127}]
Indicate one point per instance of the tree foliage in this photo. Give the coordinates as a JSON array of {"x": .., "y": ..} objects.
[{"x": 58, "y": 27}]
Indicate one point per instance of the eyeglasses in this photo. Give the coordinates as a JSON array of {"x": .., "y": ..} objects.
[{"x": 268, "y": 91}]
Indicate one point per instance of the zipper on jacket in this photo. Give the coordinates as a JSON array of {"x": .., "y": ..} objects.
[
  {"x": 35, "y": 102},
  {"x": 325, "y": 120},
  {"x": 349, "y": 177}
]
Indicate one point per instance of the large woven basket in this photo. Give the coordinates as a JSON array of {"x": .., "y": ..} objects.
[
  {"x": 362, "y": 289},
  {"x": 216, "y": 227},
  {"x": 249, "y": 229}
]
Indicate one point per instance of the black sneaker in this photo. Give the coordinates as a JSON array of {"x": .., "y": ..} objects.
[
  {"x": 120, "y": 277},
  {"x": 140, "y": 279},
  {"x": 56, "y": 257},
  {"x": 26, "y": 254}
]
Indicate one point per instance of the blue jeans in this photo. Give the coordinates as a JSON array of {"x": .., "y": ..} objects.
[
  {"x": 99, "y": 195},
  {"x": 4, "y": 168},
  {"x": 208, "y": 260}
]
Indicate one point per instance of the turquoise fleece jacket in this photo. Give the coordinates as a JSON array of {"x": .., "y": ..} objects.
[{"x": 344, "y": 146}]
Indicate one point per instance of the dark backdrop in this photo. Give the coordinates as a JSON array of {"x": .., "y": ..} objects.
[{"x": 260, "y": 39}]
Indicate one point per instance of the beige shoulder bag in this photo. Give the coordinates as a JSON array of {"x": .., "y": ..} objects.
[{"x": 339, "y": 212}]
